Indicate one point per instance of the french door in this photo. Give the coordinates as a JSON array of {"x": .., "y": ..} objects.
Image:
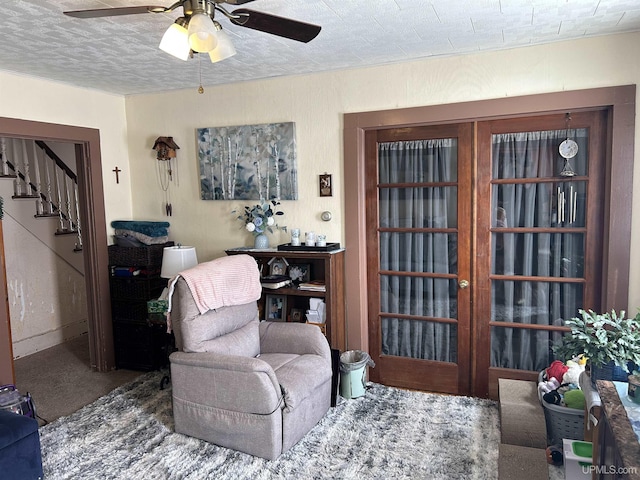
[
  {"x": 540, "y": 234},
  {"x": 481, "y": 240},
  {"x": 418, "y": 220}
]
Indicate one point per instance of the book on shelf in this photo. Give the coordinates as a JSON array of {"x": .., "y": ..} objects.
[
  {"x": 313, "y": 286},
  {"x": 275, "y": 281}
]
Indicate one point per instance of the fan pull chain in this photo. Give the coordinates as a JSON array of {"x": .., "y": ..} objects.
[{"x": 200, "y": 88}]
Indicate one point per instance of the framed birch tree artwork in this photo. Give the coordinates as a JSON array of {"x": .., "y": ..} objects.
[{"x": 248, "y": 162}]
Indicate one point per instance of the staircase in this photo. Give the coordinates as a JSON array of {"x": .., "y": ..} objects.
[{"x": 39, "y": 175}]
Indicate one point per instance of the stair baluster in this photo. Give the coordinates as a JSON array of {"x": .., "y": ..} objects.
[
  {"x": 68, "y": 204},
  {"x": 56, "y": 179},
  {"x": 37, "y": 163},
  {"x": 27, "y": 170},
  {"x": 78, "y": 229},
  {"x": 49, "y": 199},
  {"x": 17, "y": 159},
  {"x": 5, "y": 160}
]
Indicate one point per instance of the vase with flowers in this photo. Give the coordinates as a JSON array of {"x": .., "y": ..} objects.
[{"x": 260, "y": 219}]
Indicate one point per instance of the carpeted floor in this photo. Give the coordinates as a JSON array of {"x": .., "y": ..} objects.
[
  {"x": 388, "y": 433},
  {"x": 61, "y": 381}
]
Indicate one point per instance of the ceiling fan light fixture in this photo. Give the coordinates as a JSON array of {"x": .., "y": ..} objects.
[
  {"x": 202, "y": 33},
  {"x": 175, "y": 40},
  {"x": 225, "y": 48}
]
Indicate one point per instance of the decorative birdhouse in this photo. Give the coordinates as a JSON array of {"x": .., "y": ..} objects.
[{"x": 166, "y": 148}]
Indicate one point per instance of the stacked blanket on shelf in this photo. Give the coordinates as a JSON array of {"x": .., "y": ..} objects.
[{"x": 137, "y": 233}]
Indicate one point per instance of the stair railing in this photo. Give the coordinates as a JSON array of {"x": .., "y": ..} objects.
[{"x": 59, "y": 197}]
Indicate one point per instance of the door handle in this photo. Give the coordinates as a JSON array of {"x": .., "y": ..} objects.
[{"x": 463, "y": 284}]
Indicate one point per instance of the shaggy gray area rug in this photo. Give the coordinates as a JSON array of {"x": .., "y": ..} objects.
[{"x": 387, "y": 434}]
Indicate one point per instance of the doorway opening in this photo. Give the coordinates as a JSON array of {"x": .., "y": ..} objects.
[{"x": 92, "y": 215}]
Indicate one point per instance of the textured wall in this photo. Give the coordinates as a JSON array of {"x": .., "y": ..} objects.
[
  {"x": 317, "y": 104},
  {"x": 47, "y": 300}
]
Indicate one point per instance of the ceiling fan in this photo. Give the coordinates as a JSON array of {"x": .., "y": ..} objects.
[{"x": 198, "y": 31}]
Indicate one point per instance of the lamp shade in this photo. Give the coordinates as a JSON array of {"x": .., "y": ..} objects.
[
  {"x": 202, "y": 33},
  {"x": 177, "y": 259},
  {"x": 225, "y": 48},
  {"x": 175, "y": 41}
]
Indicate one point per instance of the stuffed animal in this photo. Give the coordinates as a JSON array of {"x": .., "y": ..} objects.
[
  {"x": 549, "y": 385},
  {"x": 574, "y": 399},
  {"x": 571, "y": 376},
  {"x": 556, "y": 370},
  {"x": 552, "y": 397}
]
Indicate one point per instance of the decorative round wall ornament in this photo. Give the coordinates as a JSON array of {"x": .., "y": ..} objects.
[{"x": 568, "y": 148}]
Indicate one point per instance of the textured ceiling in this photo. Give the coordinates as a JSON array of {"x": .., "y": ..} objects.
[{"x": 121, "y": 55}]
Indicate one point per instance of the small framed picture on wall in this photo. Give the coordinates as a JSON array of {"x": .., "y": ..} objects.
[
  {"x": 326, "y": 186},
  {"x": 276, "y": 308}
]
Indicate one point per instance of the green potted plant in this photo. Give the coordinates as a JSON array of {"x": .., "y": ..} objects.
[{"x": 611, "y": 343}]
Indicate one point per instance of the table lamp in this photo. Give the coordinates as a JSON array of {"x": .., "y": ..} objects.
[{"x": 175, "y": 260}]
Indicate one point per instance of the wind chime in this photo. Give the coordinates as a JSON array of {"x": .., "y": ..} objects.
[
  {"x": 166, "y": 168},
  {"x": 568, "y": 149}
]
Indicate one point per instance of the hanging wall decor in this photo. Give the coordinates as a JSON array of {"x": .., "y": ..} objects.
[
  {"x": 248, "y": 162},
  {"x": 166, "y": 148},
  {"x": 326, "y": 188},
  {"x": 568, "y": 149}
]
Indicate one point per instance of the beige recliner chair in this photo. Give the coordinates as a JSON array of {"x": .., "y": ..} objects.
[{"x": 257, "y": 387}]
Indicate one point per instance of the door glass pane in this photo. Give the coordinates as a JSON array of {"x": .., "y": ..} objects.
[
  {"x": 552, "y": 204},
  {"x": 419, "y": 252},
  {"x": 522, "y": 349},
  {"x": 535, "y": 154},
  {"x": 419, "y": 339},
  {"x": 418, "y": 161},
  {"x": 540, "y": 303},
  {"x": 420, "y": 296},
  {"x": 433, "y": 207},
  {"x": 551, "y": 254}
]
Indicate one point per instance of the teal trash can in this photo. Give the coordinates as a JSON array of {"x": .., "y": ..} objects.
[{"x": 352, "y": 373}]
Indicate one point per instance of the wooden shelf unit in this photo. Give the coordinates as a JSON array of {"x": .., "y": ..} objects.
[{"x": 327, "y": 266}]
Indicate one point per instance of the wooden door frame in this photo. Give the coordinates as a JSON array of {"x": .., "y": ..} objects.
[
  {"x": 94, "y": 234},
  {"x": 620, "y": 100}
]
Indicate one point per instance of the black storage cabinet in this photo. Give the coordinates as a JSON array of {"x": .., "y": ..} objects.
[{"x": 140, "y": 340}]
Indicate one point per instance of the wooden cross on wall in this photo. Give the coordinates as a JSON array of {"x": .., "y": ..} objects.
[{"x": 117, "y": 171}]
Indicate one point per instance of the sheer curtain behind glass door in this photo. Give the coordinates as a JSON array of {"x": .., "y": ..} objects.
[
  {"x": 538, "y": 220},
  {"x": 417, "y": 221}
]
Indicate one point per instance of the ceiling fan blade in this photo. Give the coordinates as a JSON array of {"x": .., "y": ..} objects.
[
  {"x": 283, "y": 27},
  {"x": 111, "y": 12}
]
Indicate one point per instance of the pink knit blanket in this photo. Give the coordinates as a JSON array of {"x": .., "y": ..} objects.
[{"x": 223, "y": 282}]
